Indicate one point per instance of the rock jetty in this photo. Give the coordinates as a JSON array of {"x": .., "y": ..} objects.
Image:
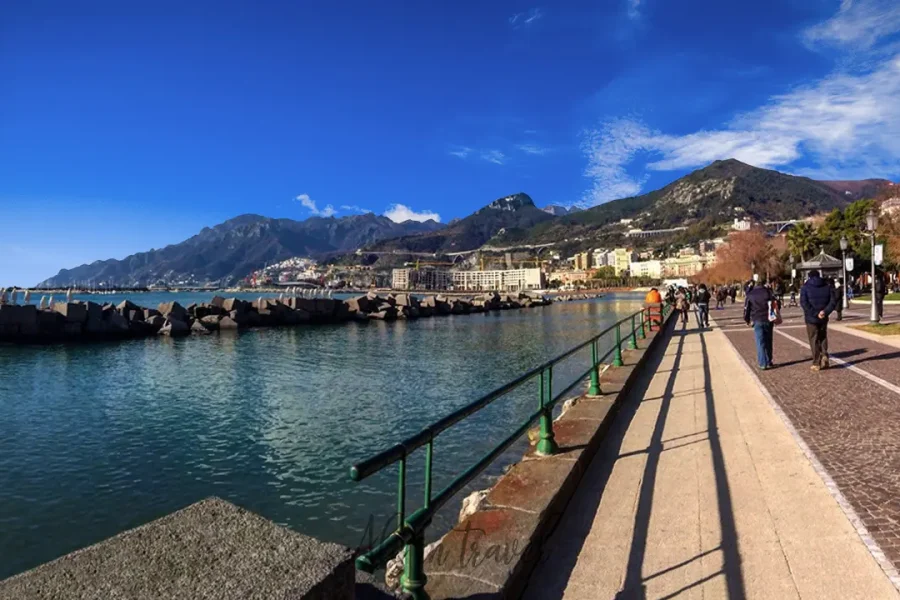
[{"x": 83, "y": 321}]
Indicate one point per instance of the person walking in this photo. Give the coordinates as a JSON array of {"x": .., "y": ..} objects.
[
  {"x": 817, "y": 301},
  {"x": 757, "y": 307},
  {"x": 880, "y": 293},
  {"x": 702, "y": 300},
  {"x": 682, "y": 303},
  {"x": 838, "y": 299}
]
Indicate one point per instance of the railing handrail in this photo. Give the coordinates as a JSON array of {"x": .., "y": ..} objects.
[
  {"x": 410, "y": 530},
  {"x": 372, "y": 465}
]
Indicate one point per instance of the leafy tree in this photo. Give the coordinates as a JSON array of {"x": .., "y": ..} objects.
[
  {"x": 605, "y": 272},
  {"x": 802, "y": 240}
]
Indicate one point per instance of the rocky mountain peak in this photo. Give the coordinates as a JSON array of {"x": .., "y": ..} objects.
[{"x": 510, "y": 203}]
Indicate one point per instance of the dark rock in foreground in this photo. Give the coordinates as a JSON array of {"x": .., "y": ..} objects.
[{"x": 85, "y": 321}]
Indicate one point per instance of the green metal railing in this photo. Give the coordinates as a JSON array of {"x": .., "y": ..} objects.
[{"x": 410, "y": 532}]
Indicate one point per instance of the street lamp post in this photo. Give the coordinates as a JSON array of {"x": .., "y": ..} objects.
[
  {"x": 844, "y": 245},
  {"x": 871, "y": 226}
]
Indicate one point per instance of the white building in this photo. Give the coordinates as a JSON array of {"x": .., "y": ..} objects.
[
  {"x": 741, "y": 224},
  {"x": 514, "y": 280},
  {"x": 647, "y": 268}
]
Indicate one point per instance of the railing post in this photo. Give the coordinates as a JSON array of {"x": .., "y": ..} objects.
[
  {"x": 632, "y": 341},
  {"x": 643, "y": 325},
  {"x": 594, "y": 390},
  {"x": 414, "y": 578},
  {"x": 617, "y": 357},
  {"x": 546, "y": 445}
]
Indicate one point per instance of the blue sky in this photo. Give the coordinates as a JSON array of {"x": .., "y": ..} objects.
[{"x": 129, "y": 126}]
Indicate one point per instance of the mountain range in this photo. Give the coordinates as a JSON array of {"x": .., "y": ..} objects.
[
  {"x": 231, "y": 250},
  {"x": 705, "y": 199}
]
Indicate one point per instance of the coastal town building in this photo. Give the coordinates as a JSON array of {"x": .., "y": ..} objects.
[
  {"x": 511, "y": 280},
  {"x": 647, "y": 268},
  {"x": 686, "y": 266},
  {"x": 583, "y": 261},
  {"x": 598, "y": 257},
  {"x": 622, "y": 259},
  {"x": 742, "y": 224}
]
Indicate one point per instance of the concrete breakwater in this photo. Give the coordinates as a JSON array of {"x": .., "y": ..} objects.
[{"x": 83, "y": 321}]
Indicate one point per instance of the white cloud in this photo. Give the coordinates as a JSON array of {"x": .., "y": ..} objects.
[
  {"x": 310, "y": 204},
  {"x": 354, "y": 209},
  {"x": 461, "y": 152},
  {"x": 844, "y": 126},
  {"x": 533, "y": 149},
  {"x": 525, "y": 19},
  {"x": 634, "y": 9},
  {"x": 608, "y": 151},
  {"x": 400, "y": 213},
  {"x": 493, "y": 156},
  {"x": 860, "y": 24}
]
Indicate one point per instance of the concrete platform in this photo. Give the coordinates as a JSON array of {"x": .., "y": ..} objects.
[
  {"x": 210, "y": 550},
  {"x": 700, "y": 490}
]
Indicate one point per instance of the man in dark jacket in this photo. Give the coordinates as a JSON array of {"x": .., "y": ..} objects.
[
  {"x": 756, "y": 313},
  {"x": 817, "y": 300},
  {"x": 701, "y": 299}
]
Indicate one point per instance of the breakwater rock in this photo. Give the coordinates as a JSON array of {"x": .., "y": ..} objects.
[{"x": 83, "y": 321}]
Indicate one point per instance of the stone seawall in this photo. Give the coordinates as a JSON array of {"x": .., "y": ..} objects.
[{"x": 84, "y": 321}]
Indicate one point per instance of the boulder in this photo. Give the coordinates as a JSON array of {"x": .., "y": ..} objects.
[
  {"x": 174, "y": 328},
  {"x": 227, "y": 323},
  {"x": 239, "y": 317},
  {"x": 155, "y": 322},
  {"x": 115, "y": 322},
  {"x": 50, "y": 323},
  {"x": 361, "y": 304},
  {"x": 74, "y": 312},
  {"x": 126, "y": 306},
  {"x": 135, "y": 315},
  {"x": 218, "y": 301},
  {"x": 211, "y": 322},
  {"x": 199, "y": 327},
  {"x": 235, "y": 304},
  {"x": 150, "y": 312},
  {"x": 173, "y": 310}
]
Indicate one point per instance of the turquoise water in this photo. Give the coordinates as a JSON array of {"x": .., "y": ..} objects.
[{"x": 98, "y": 438}]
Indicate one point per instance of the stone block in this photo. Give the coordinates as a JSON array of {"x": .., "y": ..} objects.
[
  {"x": 228, "y": 323},
  {"x": 211, "y": 549},
  {"x": 74, "y": 312},
  {"x": 174, "y": 328},
  {"x": 173, "y": 310}
]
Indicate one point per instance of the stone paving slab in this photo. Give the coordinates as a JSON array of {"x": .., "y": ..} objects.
[
  {"x": 850, "y": 423},
  {"x": 210, "y": 550},
  {"x": 699, "y": 490}
]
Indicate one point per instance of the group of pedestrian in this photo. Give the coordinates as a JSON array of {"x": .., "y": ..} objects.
[
  {"x": 819, "y": 297},
  {"x": 693, "y": 297}
]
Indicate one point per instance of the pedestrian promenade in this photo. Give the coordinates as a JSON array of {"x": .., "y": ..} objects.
[{"x": 702, "y": 490}]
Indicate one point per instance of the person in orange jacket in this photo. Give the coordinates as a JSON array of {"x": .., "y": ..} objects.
[{"x": 653, "y": 297}]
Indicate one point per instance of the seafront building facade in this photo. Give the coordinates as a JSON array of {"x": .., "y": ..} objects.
[{"x": 512, "y": 280}]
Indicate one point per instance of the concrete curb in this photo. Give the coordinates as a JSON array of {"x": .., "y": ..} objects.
[{"x": 491, "y": 552}]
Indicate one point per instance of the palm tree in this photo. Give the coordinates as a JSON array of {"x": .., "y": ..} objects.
[{"x": 802, "y": 239}]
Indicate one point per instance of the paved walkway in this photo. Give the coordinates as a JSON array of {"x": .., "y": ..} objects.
[{"x": 702, "y": 491}]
